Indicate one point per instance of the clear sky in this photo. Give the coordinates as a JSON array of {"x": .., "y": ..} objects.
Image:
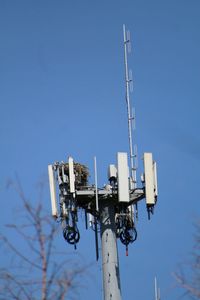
[{"x": 62, "y": 93}]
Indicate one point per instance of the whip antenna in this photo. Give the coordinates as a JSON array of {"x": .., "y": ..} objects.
[{"x": 131, "y": 117}]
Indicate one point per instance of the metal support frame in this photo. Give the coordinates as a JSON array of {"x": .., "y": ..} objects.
[{"x": 103, "y": 206}]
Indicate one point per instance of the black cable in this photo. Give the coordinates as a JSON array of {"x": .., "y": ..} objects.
[{"x": 71, "y": 235}]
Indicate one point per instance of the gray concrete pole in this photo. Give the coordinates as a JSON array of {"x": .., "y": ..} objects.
[{"x": 110, "y": 262}]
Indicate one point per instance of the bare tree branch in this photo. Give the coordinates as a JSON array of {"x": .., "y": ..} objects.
[
  {"x": 191, "y": 282},
  {"x": 18, "y": 253},
  {"x": 43, "y": 273}
]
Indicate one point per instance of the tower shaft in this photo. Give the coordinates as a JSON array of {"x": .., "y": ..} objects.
[{"x": 110, "y": 262}]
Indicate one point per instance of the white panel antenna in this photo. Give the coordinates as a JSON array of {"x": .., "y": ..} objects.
[
  {"x": 91, "y": 220},
  {"x": 52, "y": 191},
  {"x": 60, "y": 179},
  {"x": 123, "y": 180},
  {"x": 135, "y": 157},
  {"x": 71, "y": 175},
  {"x": 96, "y": 183},
  {"x": 64, "y": 176},
  {"x": 149, "y": 179},
  {"x": 131, "y": 81},
  {"x": 128, "y": 40},
  {"x": 64, "y": 210},
  {"x": 155, "y": 178},
  {"x": 133, "y": 119},
  {"x": 112, "y": 172}
]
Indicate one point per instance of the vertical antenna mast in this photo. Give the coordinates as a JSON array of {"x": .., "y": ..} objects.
[
  {"x": 130, "y": 116},
  {"x": 157, "y": 290}
]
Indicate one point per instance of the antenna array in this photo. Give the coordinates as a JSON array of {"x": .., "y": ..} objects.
[{"x": 109, "y": 208}]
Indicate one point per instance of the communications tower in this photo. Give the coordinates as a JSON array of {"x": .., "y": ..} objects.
[{"x": 111, "y": 208}]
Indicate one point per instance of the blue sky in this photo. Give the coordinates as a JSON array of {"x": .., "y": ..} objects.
[{"x": 62, "y": 93}]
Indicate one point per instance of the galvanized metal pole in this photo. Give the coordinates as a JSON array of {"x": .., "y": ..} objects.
[
  {"x": 110, "y": 261},
  {"x": 156, "y": 289}
]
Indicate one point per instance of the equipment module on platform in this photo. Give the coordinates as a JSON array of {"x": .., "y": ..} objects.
[
  {"x": 75, "y": 194},
  {"x": 113, "y": 208}
]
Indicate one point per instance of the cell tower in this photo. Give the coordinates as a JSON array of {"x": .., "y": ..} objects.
[{"x": 111, "y": 208}]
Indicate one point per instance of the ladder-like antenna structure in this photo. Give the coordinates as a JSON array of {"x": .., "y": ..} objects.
[
  {"x": 131, "y": 116},
  {"x": 108, "y": 209}
]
